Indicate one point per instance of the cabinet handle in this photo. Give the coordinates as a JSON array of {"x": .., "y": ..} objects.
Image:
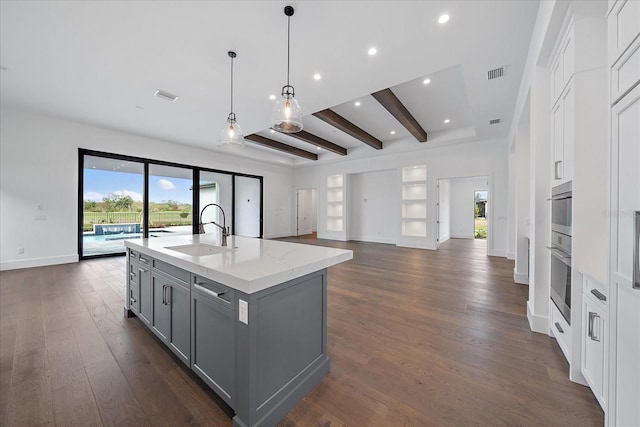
[
  {"x": 142, "y": 270},
  {"x": 555, "y": 167},
  {"x": 590, "y": 333},
  {"x": 164, "y": 294},
  {"x": 167, "y": 297},
  {"x": 592, "y": 320},
  {"x": 132, "y": 300},
  {"x": 598, "y": 294},
  {"x": 144, "y": 260},
  {"x": 199, "y": 287},
  {"x": 559, "y": 328},
  {"x": 132, "y": 274}
]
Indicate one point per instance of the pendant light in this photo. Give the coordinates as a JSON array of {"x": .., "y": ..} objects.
[
  {"x": 287, "y": 115},
  {"x": 231, "y": 136}
]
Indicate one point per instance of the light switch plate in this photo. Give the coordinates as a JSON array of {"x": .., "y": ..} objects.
[{"x": 243, "y": 311}]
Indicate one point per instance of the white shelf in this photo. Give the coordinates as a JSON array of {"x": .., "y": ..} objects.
[
  {"x": 414, "y": 201},
  {"x": 335, "y": 203}
]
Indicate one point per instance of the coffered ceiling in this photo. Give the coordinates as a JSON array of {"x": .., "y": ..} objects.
[{"x": 100, "y": 63}]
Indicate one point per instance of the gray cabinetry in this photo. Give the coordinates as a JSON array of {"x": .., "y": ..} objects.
[
  {"x": 140, "y": 286},
  {"x": 213, "y": 343},
  {"x": 171, "y": 321}
]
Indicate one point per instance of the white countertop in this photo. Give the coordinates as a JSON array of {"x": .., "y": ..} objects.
[{"x": 255, "y": 265}]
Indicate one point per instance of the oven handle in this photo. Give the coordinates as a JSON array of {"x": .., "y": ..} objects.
[
  {"x": 560, "y": 254},
  {"x": 561, "y": 197}
]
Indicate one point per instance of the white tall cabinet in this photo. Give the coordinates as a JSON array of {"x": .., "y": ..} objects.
[{"x": 624, "y": 310}]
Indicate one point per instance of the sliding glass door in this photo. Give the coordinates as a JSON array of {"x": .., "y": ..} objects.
[
  {"x": 170, "y": 200},
  {"x": 112, "y": 204},
  {"x": 122, "y": 197}
]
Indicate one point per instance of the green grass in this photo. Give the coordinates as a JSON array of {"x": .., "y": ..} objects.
[{"x": 481, "y": 228}]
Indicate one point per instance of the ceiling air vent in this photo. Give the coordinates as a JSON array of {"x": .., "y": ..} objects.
[
  {"x": 496, "y": 73},
  {"x": 494, "y": 121},
  {"x": 166, "y": 95}
]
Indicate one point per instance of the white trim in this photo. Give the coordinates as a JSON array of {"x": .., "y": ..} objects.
[
  {"x": 372, "y": 239},
  {"x": 38, "y": 262},
  {"x": 520, "y": 278},
  {"x": 501, "y": 254},
  {"x": 276, "y": 235},
  {"x": 537, "y": 323},
  {"x": 461, "y": 236},
  {"x": 511, "y": 256}
]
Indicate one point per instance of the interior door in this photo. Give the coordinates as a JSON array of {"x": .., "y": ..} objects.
[
  {"x": 624, "y": 387},
  {"x": 303, "y": 202},
  {"x": 248, "y": 206}
]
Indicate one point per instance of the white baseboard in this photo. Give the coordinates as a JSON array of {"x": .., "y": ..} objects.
[
  {"x": 511, "y": 256},
  {"x": 520, "y": 278},
  {"x": 537, "y": 323},
  {"x": 444, "y": 238},
  {"x": 372, "y": 239},
  {"x": 501, "y": 254},
  {"x": 461, "y": 236},
  {"x": 37, "y": 262},
  {"x": 276, "y": 235}
]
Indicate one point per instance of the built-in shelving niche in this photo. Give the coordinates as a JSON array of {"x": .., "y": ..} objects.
[
  {"x": 335, "y": 203},
  {"x": 414, "y": 201}
]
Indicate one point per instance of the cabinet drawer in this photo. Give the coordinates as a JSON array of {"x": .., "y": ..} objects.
[
  {"x": 214, "y": 291},
  {"x": 595, "y": 290},
  {"x": 625, "y": 73},
  {"x": 138, "y": 257},
  {"x": 623, "y": 27},
  {"x": 561, "y": 330},
  {"x": 172, "y": 270}
]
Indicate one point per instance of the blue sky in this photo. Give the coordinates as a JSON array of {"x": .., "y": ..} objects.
[{"x": 99, "y": 183}]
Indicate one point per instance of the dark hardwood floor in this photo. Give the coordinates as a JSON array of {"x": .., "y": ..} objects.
[{"x": 416, "y": 338}]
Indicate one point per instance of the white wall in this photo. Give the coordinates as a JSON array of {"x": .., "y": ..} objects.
[
  {"x": 314, "y": 210},
  {"x": 462, "y": 223},
  {"x": 39, "y": 166},
  {"x": 373, "y": 217},
  {"x": 522, "y": 201},
  {"x": 477, "y": 158},
  {"x": 444, "y": 206}
]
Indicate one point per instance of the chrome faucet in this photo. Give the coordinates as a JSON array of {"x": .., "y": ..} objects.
[{"x": 223, "y": 227}]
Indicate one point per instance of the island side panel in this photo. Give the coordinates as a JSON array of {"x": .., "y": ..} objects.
[{"x": 282, "y": 352}]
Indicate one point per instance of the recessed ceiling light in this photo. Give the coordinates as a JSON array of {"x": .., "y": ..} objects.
[
  {"x": 317, "y": 76},
  {"x": 447, "y": 120},
  {"x": 426, "y": 81},
  {"x": 393, "y": 132},
  {"x": 272, "y": 131},
  {"x": 272, "y": 97},
  {"x": 3, "y": 68},
  {"x": 139, "y": 107},
  {"x": 372, "y": 51},
  {"x": 319, "y": 148},
  {"x": 444, "y": 18},
  {"x": 357, "y": 103}
]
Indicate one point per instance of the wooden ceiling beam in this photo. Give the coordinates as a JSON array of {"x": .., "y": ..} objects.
[
  {"x": 397, "y": 109},
  {"x": 319, "y": 142},
  {"x": 276, "y": 145},
  {"x": 339, "y": 122}
]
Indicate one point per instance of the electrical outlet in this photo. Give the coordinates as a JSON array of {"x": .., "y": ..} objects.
[
  {"x": 243, "y": 311},
  {"x": 39, "y": 217},
  {"x": 40, "y": 207},
  {"x": 20, "y": 251}
]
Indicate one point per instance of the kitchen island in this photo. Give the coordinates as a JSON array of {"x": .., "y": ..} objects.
[{"x": 249, "y": 319}]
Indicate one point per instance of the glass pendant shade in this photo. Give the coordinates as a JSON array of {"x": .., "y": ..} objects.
[
  {"x": 287, "y": 116},
  {"x": 231, "y": 135}
]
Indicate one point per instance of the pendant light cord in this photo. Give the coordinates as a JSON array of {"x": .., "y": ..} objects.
[
  {"x": 232, "y": 85},
  {"x": 288, "y": 46}
]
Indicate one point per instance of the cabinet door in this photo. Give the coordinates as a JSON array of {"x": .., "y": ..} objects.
[
  {"x": 143, "y": 276},
  {"x": 557, "y": 123},
  {"x": 567, "y": 133},
  {"x": 593, "y": 339},
  {"x": 179, "y": 300},
  {"x": 213, "y": 345},
  {"x": 133, "y": 287},
  {"x": 161, "y": 318},
  {"x": 624, "y": 306}
]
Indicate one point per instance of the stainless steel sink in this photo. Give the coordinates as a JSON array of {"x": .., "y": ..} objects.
[{"x": 200, "y": 249}]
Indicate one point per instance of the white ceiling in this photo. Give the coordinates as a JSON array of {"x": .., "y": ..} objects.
[{"x": 98, "y": 62}]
